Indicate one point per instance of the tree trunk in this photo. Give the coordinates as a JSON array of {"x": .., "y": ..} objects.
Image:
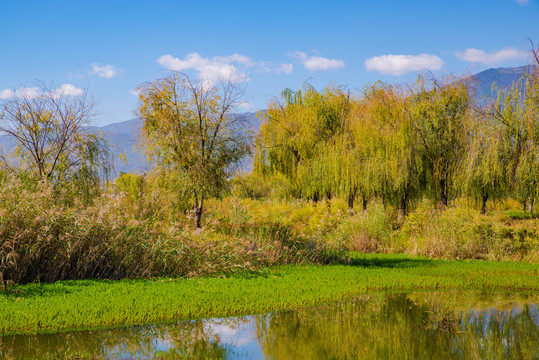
[
  {"x": 351, "y": 198},
  {"x": 328, "y": 199},
  {"x": 443, "y": 194},
  {"x": 530, "y": 206},
  {"x": 364, "y": 204},
  {"x": 403, "y": 204},
  {"x": 484, "y": 204},
  {"x": 315, "y": 197},
  {"x": 198, "y": 213}
]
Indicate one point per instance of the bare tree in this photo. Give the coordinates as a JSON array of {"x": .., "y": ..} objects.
[{"x": 50, "y": 128}]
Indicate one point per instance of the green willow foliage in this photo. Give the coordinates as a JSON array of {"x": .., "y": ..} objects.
[
  {"x": 503, "y": 144},
  {"x": 428, "y": 140}
]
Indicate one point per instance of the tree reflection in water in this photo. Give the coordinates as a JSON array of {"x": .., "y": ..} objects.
[
  {"x": 427, "y": 325},
  {"x": 420, "y": 325}
]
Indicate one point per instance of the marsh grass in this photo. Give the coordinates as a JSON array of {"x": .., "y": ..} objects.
[
  {"x": 462, "y": 233},
  {"x": 459, "y": 232},
  {"x": 44, "y": 239}
]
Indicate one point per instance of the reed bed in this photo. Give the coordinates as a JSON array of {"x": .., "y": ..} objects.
[{"x": 43, "y": 239}]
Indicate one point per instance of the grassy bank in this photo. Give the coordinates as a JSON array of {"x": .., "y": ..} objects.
[{"x": 93, "y": 304}]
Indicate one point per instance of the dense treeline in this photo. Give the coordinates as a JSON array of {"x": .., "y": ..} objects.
[{"x": 428, "y": 140}]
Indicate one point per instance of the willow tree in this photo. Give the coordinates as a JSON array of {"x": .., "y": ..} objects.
[
  {"x": 321, "y": 174},
  {"x": 439, "y": 117},
  {"x": 280, "y": 145},
  {"x": 394, "y": 164},
  {"x": 191, "y": 127},
  {"x": 350, "y": 176},
  {"x": 294, "y": 134},
  {"x": 483, "y": 172},
  {"x": 517, "y": 112}
]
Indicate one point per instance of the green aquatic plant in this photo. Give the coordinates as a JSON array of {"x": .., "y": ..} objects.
[{"x": 70, "y": 305}]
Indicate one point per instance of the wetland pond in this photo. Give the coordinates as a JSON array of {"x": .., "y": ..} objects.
[{"x": 382, "y": 325}]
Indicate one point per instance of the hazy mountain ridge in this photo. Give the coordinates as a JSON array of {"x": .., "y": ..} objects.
[
  {"x": 124, "y": 138},
  {"x": 482, "y": 83}
]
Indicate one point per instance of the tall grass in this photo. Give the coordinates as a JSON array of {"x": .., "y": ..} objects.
[
  {"x": 462, "y": 233},
  {"x": 459, "y": 232},
  {"x": 43, "y": 239}
]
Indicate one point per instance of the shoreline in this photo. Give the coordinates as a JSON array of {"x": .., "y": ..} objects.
[{"x": 97, "y": 304}]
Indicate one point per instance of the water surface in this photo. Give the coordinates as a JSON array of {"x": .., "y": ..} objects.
[{"x": 385, "y": 325}]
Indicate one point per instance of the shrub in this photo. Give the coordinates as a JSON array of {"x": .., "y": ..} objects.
[{"x": 368, "y": 231}]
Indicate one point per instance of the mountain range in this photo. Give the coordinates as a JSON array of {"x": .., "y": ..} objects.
[
  {"x": 124, "y": 136},
  {"x": 486, "y": 83}
]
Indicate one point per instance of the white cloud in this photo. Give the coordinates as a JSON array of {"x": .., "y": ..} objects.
[
  {"x": 24, "y": 92},
  {"x": 235, "y": 58},
  {"x": 209, "y": 69},
  {"x": 134, "y": 92},
  {"x": 491, "y": 58},
  {"x": 6, "y": 94},
  {"x": 317, "y": 63},
  {"x": 522, "y": 2},
  {"x": 104, "y": 71},
  {"x": 402, "y": 64},
  {"x": 268, "y": 66},
  {"x": 27, "y": 92},
  {"x": 246, "y": 105},
  {"x": 33, "y": 92},
  {"x": 67, "y": 90},
  {"x": 285, "y": 68},
  {"x": 220, "y": 68}
]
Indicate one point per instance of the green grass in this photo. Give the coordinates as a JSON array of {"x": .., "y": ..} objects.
[
  {"x": 74, "y": 305},
  {"x": 520, "y": 215}
]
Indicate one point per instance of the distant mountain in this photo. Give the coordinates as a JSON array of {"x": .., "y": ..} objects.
[
  {"x": 503, "y": 78},
  {"x": 124, "y": 137}
]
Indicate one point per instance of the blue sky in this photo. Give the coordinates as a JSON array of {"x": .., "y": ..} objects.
[{"x": 112, "y": 46}]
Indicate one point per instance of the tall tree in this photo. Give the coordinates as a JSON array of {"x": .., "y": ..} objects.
[
  {"x": 517, "y": 112},
  {"x": 393, "y": 164},
  {"x": 483, "y": 171},
  {"x": 439, "y": 116},
  {"x": 192, "y": 127},
  {"x": 296, "y": 136}
]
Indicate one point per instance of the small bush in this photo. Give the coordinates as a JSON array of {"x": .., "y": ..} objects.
[{"x": 368, "y": 231}]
